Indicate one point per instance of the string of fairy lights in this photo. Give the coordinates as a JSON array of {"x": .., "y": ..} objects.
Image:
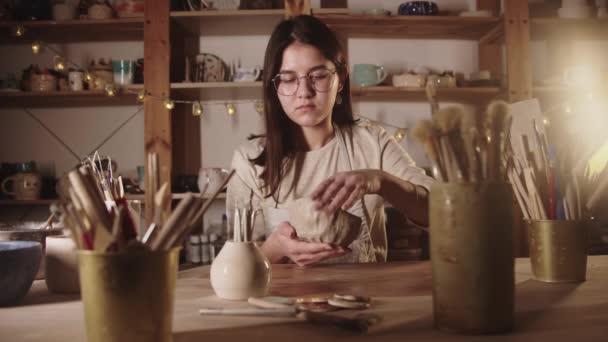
[{"x": 61, "y": 63}]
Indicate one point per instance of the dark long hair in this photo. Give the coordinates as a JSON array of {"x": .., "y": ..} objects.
[{"x": 279, "y": 144}]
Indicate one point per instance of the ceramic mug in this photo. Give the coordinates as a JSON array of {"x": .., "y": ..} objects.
[
  {"x": 369, "y": 74},
  {"x": 210, "y": 179},
  {"x": 26, "y": 186},
  {"x": 76, "y": 80},
  {"x": 247, "y": 74},
  {"x": 123, "y": 71}
]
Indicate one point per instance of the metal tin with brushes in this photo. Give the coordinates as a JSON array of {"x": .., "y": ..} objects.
[
  {"x": 471, "y": 227},
  {"x": 128, "y": 296},
  {"x": 558, "y": 250}
]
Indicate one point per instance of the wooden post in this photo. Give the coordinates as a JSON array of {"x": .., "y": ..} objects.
[
  {"x": 186, "y": 132},
  {"x": 490, "y": 54},
  {"x": 519, "y": 80},
  {"x": 517, "y": 41},
  {"x": 157, "y": 122}
]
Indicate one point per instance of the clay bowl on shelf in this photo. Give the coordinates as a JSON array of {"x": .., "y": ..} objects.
[{"x": 19, "y": 263}]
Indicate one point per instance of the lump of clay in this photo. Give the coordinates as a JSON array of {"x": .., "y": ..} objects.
[{"x": 339, "y": 229}]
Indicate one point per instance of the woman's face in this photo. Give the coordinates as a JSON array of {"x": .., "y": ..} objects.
[{"x": 311, "y": 104}]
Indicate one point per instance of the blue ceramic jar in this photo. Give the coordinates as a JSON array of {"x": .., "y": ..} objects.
[{"x": 418, "y": 8}]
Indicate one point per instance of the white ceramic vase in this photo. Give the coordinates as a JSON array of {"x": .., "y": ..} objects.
[{"x": 240, "y": 271}]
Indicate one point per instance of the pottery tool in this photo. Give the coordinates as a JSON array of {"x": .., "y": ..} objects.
[
  {"x": 289, "y": 311},
  {"x": 470, "y": 137},
  {"x": 271, "y": 302},
  {"x": 186, "y": 215}
]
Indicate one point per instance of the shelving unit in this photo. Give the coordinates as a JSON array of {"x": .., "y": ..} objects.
[
  {"x": 70, "y": 31},
  {"x": 65, "y": 99},
  {"x": 470, "y": 95},
  {"x": 423, "y": 27},
  {"x": 122, "y": 29},
  {"x": 171, "y": 135}
]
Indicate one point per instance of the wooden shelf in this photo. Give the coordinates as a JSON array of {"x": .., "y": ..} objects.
[
  {"x": 64, "y": 99},
  {"x": 223, "y": 22},
  {"x": 141, "y": 197},
  {"x": 560, "y": 28},
  {"x": 122, "y": 29},
  {"x": 28, "y": 202},
  {"x": 215, "y": 85},
  {"x": 472, "y": 95},
  {"x": 427, "y": 27}
]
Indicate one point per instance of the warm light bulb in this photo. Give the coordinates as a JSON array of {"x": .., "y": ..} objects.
[
  {"x": 141, "y": 96},
  {"x": 19, "y": 30},
  {"x": 197, "y": 109},
  {"x": 59, "y": 63},
  {"x": 230, "y": 109},
  {"x": 36, "y": 47},
  {"x": 259, "y": 106},
  {"x": 169, "y": 104},
  {"x": 110, "y": 90},
  {"x": 89, "y": 77}
]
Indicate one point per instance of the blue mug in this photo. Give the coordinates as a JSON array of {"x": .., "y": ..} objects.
[
  {"x": 418, "y": 8},
  {"x": 368, "y": 74}
]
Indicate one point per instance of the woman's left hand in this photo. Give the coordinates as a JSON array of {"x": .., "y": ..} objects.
[{"x": 345, "y": 188}]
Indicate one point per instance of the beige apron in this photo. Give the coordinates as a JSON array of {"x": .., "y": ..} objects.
[{"x": 361, "y": 248}]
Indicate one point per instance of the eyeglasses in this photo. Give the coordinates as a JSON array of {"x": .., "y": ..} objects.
[{"x": 287, "y": 83}]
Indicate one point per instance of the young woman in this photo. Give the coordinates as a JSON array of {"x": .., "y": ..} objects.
[{"x": 313, "y": 147}]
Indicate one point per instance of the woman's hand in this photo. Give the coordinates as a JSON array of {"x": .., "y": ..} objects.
[
  {"x": 345, "y": 188},
  {"x": 283, "y": 243}
]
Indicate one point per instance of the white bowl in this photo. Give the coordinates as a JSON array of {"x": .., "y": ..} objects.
[{"x": 574, "y": 12}]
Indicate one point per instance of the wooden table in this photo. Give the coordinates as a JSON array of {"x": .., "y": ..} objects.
[{"x": 402, "y": 294}]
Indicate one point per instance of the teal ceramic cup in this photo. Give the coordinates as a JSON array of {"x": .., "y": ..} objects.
[
  {"x": 123, "y": 71},
  {"x": 368, "y": 74}
]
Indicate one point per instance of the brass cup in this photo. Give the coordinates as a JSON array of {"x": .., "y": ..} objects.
[
  {"x": 471, "y": 227},
  {"x": 128, "y": 296},
  {"x": 558, "y": 250}
]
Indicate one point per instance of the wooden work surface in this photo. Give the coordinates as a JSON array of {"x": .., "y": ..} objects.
[{"x": 402, "y": 296}]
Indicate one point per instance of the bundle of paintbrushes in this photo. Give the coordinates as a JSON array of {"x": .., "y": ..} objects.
[
  {"x": 551, "y": 183},
  {"x": 103, "y": 227},
  {"x": 466, "y": 146}
]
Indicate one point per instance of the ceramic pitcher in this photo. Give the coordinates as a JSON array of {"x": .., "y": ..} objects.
[{"x": 240, "y": 271}]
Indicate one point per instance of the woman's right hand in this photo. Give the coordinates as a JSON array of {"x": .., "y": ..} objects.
[{"x": 283, "y": 243}]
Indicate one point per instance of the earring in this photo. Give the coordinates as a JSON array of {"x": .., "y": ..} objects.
[{"x": 339, "y": 99}]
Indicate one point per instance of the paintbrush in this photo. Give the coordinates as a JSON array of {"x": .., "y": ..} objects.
[
  {"x": 426, "y": 134},
  {"x": 447, "y": 120},
  {"x": 497, "y": 113},
  {"x": 470, "y": 138}
]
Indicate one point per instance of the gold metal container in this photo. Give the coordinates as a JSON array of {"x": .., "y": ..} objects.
[
  {"x": 471, "y": 239},
  {"x": 558, "y": 250},
  {"x": 128, "y": 296}
]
